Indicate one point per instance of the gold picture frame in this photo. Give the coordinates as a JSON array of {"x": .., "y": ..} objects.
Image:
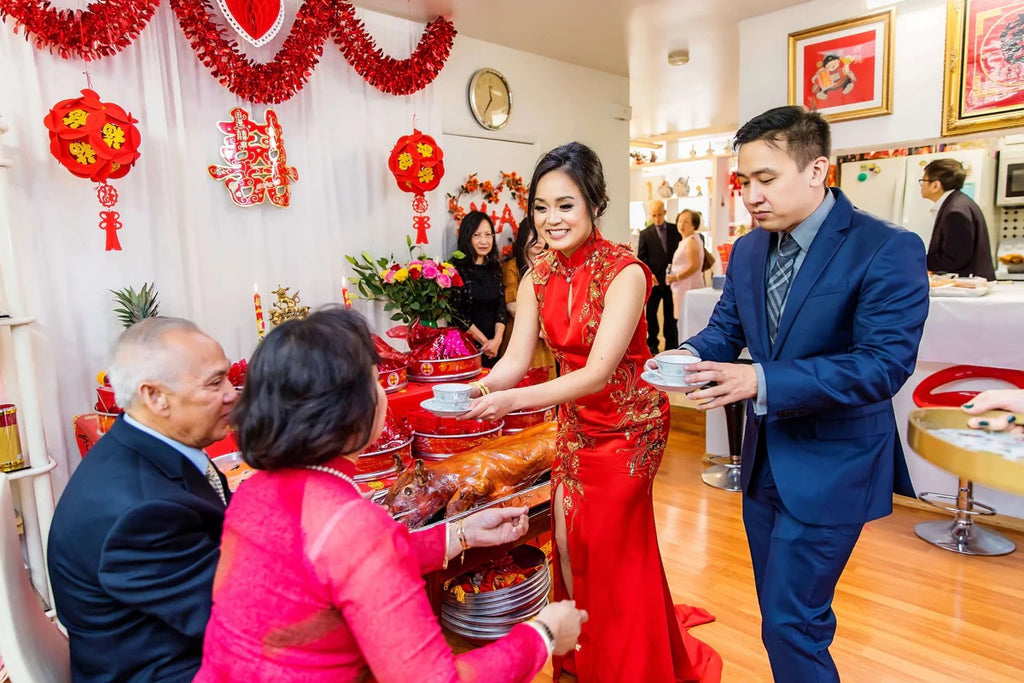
[
  {"x": 843, "y": 70},
  {"x": 982, "y": 89}
]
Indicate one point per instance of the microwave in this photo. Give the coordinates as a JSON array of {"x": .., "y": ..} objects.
[{"x": 1010, "y": 179}]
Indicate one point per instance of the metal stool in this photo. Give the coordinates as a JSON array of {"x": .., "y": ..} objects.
[
  {"x": 962, "y": 535},
  {"x": 724, "y": 472}
]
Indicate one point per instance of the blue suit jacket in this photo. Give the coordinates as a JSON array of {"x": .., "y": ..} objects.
[
  {"x": 846, "y": 343},
  {"x": 132, "y": 553}
]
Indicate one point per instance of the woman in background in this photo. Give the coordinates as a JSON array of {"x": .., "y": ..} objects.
[
  {"x": 480, "y": 302},
  {"x": 525, "y": 250},
  {"x": 315, "y": 582},
  {"x": 686, "y": 271}
]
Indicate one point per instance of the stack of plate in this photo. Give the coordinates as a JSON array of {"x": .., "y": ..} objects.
[{"x": 489, "y": 616}]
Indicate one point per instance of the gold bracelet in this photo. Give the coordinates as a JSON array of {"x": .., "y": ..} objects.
[
  {"x": 480, "y": 385},
  {"x": 461, "y": 533}
]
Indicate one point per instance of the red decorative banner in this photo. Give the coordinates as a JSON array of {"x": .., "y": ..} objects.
[
  {"x": 108, "y": 26},
  {"x": 257, "y": 165},
  {"x": 105, "y": 27}
]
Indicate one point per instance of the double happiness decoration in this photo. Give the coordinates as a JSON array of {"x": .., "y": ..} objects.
[
  {"x": 418, "y": 166},
  {"x": 491, "y": 194},
  {"x": 257, "y": 165},
  {"x": 99, "y": 141},
  {"x": 106, "y": 27}
]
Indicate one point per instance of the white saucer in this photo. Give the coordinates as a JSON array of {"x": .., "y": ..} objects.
[
  {"x": 658, "y": 382},
  {"x": 442, "y": 409}
]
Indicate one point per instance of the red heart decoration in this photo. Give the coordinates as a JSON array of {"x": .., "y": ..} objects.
[{"x": 257, "y": 21}]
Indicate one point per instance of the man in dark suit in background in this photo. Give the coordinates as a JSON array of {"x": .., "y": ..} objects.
[
  {"x": 960, "y": 242},
  {"x": 136, "y": 535},
  {"x": 658, "y": 243},
  {"x": 830, "y": 302}
]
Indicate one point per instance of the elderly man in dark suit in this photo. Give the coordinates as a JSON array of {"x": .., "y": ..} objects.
[
  {"x": 136, "y": 535},
  {"x": 960, "y": 242},
  {"x": 658, "y": 243},
  {"x": 830, "y": 301}
]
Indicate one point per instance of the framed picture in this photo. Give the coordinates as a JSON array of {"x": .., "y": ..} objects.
[
  {"x": 984, "y": 88},
  {"x": 844, "y": 69}
]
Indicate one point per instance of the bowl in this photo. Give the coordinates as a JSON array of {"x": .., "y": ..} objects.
[
  {"x": 446, "y": 369},
  {"x": 522, "y": 419},
  {"x": 377, "y": 464}
]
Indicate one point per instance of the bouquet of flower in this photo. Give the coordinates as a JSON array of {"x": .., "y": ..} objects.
[{"x": 419, "y": 289}]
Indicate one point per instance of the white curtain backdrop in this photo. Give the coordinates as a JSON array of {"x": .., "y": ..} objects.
[{"x": 181, "y": 229}]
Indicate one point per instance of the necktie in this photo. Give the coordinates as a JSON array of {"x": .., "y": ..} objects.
[
  {"x": 664, "y": 237},
  {"x": 779, "y": 281},
  {"x": 213, "y": 476}
]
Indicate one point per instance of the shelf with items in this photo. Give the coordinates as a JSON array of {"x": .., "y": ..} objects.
[{"x": 31, "y": 486}]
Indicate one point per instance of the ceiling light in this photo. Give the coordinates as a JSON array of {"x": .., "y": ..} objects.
[{"x": 678, "y": 57}]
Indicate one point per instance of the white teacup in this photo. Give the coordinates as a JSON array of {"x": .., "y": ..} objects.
[
  {"x": 673, "y": 367},
  {"x": 453, "y": 394}
]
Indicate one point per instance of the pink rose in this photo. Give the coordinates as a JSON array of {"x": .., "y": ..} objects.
[
  {"x": 389, "y": 276},
  {"x": 430, "y": 271},
  {"x": 444, "y": 281}
]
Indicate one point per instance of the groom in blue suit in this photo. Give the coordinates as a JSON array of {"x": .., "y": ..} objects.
[{"x": 830, "y": 302}]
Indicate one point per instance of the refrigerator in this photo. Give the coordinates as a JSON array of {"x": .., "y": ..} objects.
[{"x": 888, "y": 188}]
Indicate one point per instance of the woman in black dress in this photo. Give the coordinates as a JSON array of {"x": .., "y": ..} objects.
[{"x": 480, "y": 302}]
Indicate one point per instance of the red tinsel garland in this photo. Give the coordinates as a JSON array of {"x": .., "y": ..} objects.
[
  {"x": 105, "y": 28},
  {"x": 387, "y": 74},
  {"x": 108, "y": 26},
  {"x": 277, "y": 80}
]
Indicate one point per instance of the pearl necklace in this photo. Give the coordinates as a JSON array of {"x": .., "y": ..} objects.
[{"x": 335, "y": 473}]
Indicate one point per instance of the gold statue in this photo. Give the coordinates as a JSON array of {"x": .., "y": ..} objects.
[{"x": 286, "y": 307}]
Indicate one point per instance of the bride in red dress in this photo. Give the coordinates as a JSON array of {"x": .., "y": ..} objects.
[{"x": 586, "y": 297}]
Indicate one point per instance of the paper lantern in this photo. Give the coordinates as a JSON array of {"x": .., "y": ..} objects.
[{"x": 417, "y": 163}]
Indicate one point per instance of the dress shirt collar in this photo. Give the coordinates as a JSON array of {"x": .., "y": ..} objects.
[
  {"x": 194, "y": 455},
  {"x": 805, "y": 232},
  {"x": 938, "y": 203}
]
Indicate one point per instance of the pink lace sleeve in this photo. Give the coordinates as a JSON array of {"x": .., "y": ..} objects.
[
  {"x": 429, "y": 547},
  {"x": 368, "y": 564}
]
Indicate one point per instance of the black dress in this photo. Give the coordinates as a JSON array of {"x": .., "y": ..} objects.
[{"x": 481, "y": 300}]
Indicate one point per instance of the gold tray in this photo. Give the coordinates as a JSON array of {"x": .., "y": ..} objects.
[{"x": 981, "y": 467}]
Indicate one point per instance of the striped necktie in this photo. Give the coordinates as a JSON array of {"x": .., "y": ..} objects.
[
  {"x": 213, "y": 476},
  {"x": 779, "y": 281}
]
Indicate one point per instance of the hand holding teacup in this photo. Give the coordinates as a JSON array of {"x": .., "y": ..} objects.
[{"x": 710, "y": 383}]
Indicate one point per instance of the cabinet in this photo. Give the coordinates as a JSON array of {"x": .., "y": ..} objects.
[{"x": 31, "y": 486}]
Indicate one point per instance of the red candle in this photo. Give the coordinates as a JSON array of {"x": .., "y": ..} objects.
[{"x": 261, "y": 326}]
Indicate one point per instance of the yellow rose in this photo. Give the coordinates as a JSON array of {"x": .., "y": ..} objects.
[{"x": 402, "y": 275}]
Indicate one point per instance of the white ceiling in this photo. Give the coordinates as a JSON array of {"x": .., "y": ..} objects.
[{"x": 626, "y": 37}]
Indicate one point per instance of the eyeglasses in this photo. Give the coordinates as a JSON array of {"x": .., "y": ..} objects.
[
  {"x": 922, "y": 181},
  {"x": 480, "y": 235}
]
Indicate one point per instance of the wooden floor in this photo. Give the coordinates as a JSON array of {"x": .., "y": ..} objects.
[{"x": 907, "y": 611}]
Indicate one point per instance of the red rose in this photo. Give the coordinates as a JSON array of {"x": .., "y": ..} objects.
[
  {"x": 414, "y": 273},
  {"x": 457, "y": 280}
]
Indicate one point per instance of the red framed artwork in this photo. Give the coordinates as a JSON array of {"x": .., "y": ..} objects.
[
  {"x": 984, "y": 84},
  {"x": 843, "y": 70}
]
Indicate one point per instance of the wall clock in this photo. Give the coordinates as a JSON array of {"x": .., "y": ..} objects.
[{"x": 490, "y": 99}]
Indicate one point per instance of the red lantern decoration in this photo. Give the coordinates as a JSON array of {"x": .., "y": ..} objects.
[
  {"x": 417, "y": 163},
  {"x": 95, "y": 140}
]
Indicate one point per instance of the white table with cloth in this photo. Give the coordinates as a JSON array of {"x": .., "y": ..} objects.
[{"x": 986, "y": 330}]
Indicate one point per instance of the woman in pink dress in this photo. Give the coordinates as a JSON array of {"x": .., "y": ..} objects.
[
  {"x": 315, "y": 582},
  {"x": 586, "y": 298},
  {"x": 686, "y": 262}
]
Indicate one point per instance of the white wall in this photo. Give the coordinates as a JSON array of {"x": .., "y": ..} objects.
[
  {"x": 552, "y": 103},
  {"x": 920, "y": 34}
]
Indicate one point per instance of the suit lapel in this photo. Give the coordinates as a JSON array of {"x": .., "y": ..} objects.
[
  {"x": 173, "y": 464},
  {"x": 830, "y": 236},
  {"x": 762, "y": 240}
]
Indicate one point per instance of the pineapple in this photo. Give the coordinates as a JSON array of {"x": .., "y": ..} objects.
[{"x": 134, "y": 306}]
